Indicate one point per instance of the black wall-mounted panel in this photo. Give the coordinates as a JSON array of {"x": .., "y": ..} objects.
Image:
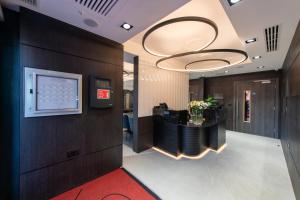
[{"x": 101, "y": 93}]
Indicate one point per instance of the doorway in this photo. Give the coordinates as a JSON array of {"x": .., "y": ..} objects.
[
  {"x": 256, "y": 107},
  {"x": 130, "y": 99}
]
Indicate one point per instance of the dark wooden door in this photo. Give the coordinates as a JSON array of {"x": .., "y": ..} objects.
[
  {"x": 196, "y": 89},
  {"x": 256, "y": 107}
]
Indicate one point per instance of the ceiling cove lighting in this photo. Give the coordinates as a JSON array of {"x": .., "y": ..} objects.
[
  {"x": 180, "y": 35},
  {"x": 232, "y": 2},
  {"x": 203, "y": 61},
  {"x": 126, "y": 26},
  {"x": 206, "y": 60},
  {"x": 256, "y": 57},
  {"x": 250, "y": 40}
]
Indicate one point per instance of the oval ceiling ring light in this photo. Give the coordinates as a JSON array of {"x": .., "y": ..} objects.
[
  {"x": 243, "y": 53},
  {"x": 176, "y": 20},
  {"x": 206, "y": 60},
  {"x": 125, "y": 73}
]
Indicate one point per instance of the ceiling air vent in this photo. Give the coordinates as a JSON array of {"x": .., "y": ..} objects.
[
  {"x": 30, "y": 2},
  {"x": 271, "y": 34},
  {"x": 102, "y": 7}
]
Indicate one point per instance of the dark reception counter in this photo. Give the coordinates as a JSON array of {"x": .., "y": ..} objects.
[
  {"x": 195, "y": 139},
  {"x": 176, "y": 136}
]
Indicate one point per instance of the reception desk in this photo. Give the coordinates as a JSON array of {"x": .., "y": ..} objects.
[
  {"x": 195, "y": 139},
  {"x": 183, "y": 138}
]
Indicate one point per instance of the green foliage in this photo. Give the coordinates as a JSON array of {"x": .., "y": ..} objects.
[
  {"x": 197, "y": 107},
  {"x": 212, "y": 102}
]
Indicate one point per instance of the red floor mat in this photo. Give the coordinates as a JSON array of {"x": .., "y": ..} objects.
[{"x": 117, "y": 185}]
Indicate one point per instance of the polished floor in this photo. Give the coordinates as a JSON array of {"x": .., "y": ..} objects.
[{"x": 250, "y": 168}]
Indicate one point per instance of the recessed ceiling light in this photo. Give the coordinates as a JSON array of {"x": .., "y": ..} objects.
[
  {"x": 250, "y": 40},
  {"x": 232, "y": 2},
  {"x": 126, "y": 26},
  {"x": 226, "y": 71},
  {"x": 260, "y": 67},
  {"x": 256, "y": 57}
]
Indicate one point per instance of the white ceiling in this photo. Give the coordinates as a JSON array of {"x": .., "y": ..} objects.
[
  {"x": 212, "y": 10},
  {"x": 236, "y": 24},
  {"x": 139, "y": 13},
  {"x": 250, "y": 18}
]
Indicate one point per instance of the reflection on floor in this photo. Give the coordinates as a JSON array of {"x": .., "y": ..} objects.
[
  {"x": 127, "y": 151},
  {"x": 250, "y": 168},
  {"x": 127, "y": 145}
]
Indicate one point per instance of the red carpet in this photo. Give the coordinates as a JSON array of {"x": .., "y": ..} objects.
[{"x": 117, "y": 185}]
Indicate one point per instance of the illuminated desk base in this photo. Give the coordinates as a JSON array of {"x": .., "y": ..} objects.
[{"x": 201, "y": 155}]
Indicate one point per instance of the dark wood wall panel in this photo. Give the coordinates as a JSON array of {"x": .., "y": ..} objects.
[
  {"x": 67, "y": 133},
  {"x": 94, "y": 137},
  {"x": 293, "y": 78},
  {"x": 9, "y": 84},
  {"x": 196, "y": 89},
  {"x": 87, "y": 132},
  {"x": 51, "y": 181},
  {"x": 111, "y": 158},
  {"x": 44, "y": 32},
  {"x": 224, "y": 86},
  {"x": 145, "y": 133},
  {"x": 290, "y": 115}
]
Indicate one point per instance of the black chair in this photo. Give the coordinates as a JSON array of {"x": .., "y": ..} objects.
[{"x": 127, "y": 126}]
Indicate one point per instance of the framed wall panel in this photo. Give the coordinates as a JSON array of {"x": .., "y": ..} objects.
[{"x": 52, "y": 93}]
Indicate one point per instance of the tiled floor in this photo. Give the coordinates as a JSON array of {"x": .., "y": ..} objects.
[{"x": 250, "y": 168}]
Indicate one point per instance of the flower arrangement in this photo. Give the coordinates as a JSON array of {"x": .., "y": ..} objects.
[{"x": 197, "y": 108}]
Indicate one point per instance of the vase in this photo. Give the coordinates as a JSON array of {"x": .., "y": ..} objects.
[{"x": 197, "y": 118}]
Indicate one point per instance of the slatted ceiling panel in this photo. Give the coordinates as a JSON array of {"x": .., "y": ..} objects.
[
  {"x": 102, "y": 7},
  {"x": 272, "y": 34},
  {"x": 30, "y": 2}
]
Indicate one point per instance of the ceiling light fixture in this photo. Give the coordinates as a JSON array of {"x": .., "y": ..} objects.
[
  {"x": 206, "y": 60},
  {"x": 232, "y": 2},
  {"x": 250, "y": 40},
  {"x": 256, "y": 57},
  {"x": 260, "y": 67},
  {"x": 226, "y": 71},
  {"x": 126, "y": 26},
  {"x": 125, "y": 73},
  {"x": 184, "y": 38},
  {"x": 183, "y": 63}
]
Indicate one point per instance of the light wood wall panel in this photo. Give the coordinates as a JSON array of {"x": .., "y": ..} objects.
[{"x": 157, "y": 86}]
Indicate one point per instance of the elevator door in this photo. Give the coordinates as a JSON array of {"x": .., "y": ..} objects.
[{"x": 255, "y": 107}]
